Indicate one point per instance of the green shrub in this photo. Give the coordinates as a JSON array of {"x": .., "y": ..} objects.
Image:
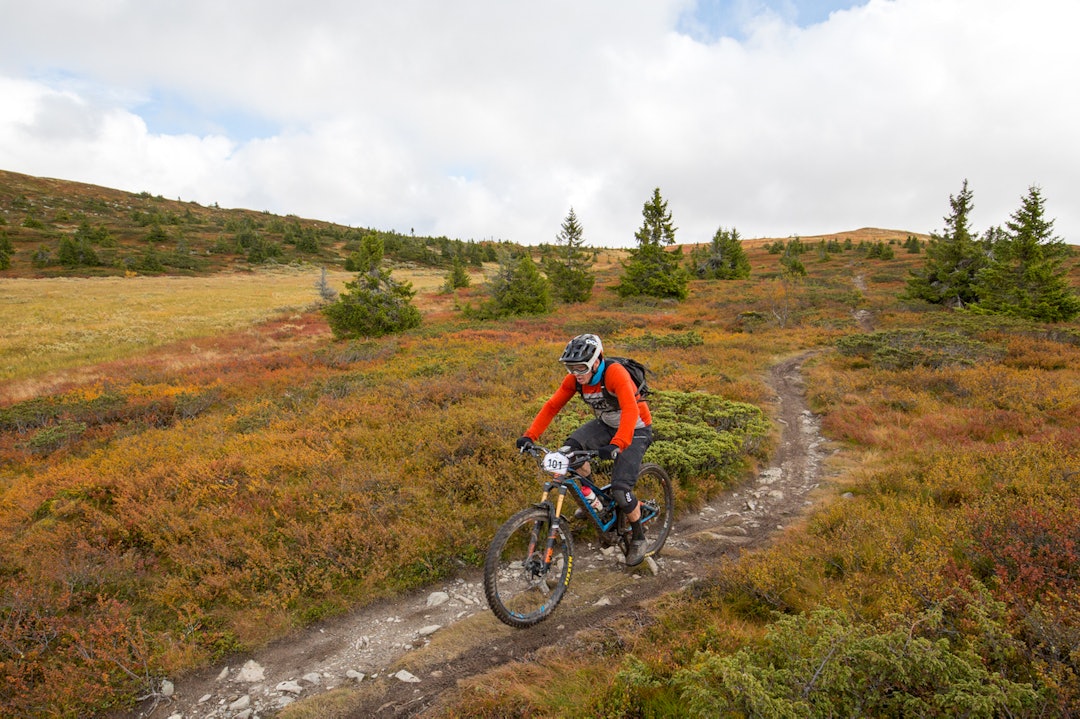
[
  {"x": 701, "y": 436},
  {"x": 825, "y": 665},
  {"x": 682, "y": 340},
  {"x": 50, "y": 439},
  {"x": 905, "y": 349}
]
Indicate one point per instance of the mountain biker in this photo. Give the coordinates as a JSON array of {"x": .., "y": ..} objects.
[{"x": 621, "y": 430}]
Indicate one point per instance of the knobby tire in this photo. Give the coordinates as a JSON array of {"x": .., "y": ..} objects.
[
  {"x": 654, "y": 489},
  {"x": 519, "y": 590}
]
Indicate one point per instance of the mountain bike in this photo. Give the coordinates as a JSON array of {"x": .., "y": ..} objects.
[{"x": 530, "y": 560}]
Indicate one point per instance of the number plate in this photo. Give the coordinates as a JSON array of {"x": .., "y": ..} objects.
[{"x": 556, "y": 462}]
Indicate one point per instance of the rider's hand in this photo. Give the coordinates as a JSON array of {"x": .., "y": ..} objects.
[
  {"x": 609, "y": 451},
  {"x": 524, "y": 444}
]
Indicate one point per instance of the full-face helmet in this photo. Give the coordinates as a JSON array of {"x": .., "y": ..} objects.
[{"x": 581, "y": 353}]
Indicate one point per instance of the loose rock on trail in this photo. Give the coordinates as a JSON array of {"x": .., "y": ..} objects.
[{"x": 406, "y": 651}]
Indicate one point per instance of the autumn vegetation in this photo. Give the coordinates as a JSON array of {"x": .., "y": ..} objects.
[{"x": 189, "y": 498}]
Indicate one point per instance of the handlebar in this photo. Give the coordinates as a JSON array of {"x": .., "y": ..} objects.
[{"x": 577, "y": 457}]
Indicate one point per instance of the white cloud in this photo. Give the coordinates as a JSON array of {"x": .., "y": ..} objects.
[{"x": 489, "y": 119}]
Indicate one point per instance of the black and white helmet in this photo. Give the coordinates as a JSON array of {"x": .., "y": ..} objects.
[{"x": 583, "y": 349}]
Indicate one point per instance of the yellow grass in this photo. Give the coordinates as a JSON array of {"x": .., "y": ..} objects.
[
  {"x": 55, "y": 324},
  {"x": 59, "y": 323}
]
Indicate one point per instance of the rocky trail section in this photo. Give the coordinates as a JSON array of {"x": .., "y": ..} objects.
[{"x": 403, "y": 653}]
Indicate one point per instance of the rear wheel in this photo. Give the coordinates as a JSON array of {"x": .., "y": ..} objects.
[
  {"x": 657, "y": 497},
  {"x": 522, "y": 588}
]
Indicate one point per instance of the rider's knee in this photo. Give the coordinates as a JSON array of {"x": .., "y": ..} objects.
[{"x": 626, "y": 500}]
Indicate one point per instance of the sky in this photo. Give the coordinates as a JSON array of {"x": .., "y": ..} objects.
[{"x": 491, "y": 119}]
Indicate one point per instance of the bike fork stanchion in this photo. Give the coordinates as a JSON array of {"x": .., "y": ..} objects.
[{"x": 534, "y": 540}]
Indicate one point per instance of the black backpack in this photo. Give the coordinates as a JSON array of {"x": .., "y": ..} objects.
[{"x": 637, "y": 373}]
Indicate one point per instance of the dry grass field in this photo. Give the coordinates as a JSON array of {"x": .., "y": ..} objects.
[
  {"x": 54, "y": 327},
  {"x": 57, "y": 324}
]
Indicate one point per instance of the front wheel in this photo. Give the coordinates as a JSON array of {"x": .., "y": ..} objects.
[{"x": 522, "y": 585}]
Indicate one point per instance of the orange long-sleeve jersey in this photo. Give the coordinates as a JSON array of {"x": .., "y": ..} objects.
[{"x": 629, "y": 413}]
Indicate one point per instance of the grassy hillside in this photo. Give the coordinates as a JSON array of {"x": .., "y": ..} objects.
[
  {"x": 239, "y": 474},
  {"x": 63, "y": 228}
]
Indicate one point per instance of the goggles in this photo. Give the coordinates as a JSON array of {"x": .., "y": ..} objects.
[{"x": 578, "y": 368}]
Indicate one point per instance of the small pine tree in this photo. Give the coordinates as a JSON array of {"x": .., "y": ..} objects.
[
  {"x": 42, "y": 257},
  {"x": 517, "y": 288},
  {"x": 569, "y": 267},
  {"x": 1025, "y": 276},
  {"x": 73, "y": 253},
  {"x": 520, "y": 289},
  {"x": 823, "y": 251},
  {"x": 308, "y": 242},
  {"x": 652, "y": 270},
  {"x": 84, "y": 231},
  {"x": 67, "y": 254},
  {"x": 457, "y": 277},
  {"x": 157, "y": 234},
  {"x": 791, "y": 265},
  {"x": 94, "y": 235},
  {"x": 264, "y": 250},
  {"x": 373, "y": 304},
  {"x": 953, "y": 259},
  {"x": 722, "y": 259},
  {"x": 150, "y": 261},
  {"x": 880, "y": 251},
  {"x": 6, "y": 250}
]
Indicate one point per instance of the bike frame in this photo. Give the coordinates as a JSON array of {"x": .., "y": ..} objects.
[{"x": 572, "y": 481}]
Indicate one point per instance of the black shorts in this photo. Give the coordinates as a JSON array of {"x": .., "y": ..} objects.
[{"x": 596, "y": 434}]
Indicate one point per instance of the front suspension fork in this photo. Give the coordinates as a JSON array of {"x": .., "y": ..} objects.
[{"x": 549, "y": 547}]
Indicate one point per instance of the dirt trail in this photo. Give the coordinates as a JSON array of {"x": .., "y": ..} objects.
[{"x": 405, "y": 653}]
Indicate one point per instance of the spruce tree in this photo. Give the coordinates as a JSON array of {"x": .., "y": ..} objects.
[
  {"x": 68, "y": 253},
  {"x": 457, "y": 277},
  {"x": 374, "y": 304},
  {"x": 953, "y": 259},
  {"x": 721, "y": 259},
  {"x": 307, "y": 241},
  {"x": 569, "y": 266},
  {"x": 791, "y": 264},
  {"x": 150, "y": 261},
  {"x": 157, "y": 233},
  {"x": 518, "y": 288},
  {"x": 652, "y": 270},
  {"x": 73, "y": 253},
  {"x": 6, "y": 250},
  {"x": 1025, "y": 276}
]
